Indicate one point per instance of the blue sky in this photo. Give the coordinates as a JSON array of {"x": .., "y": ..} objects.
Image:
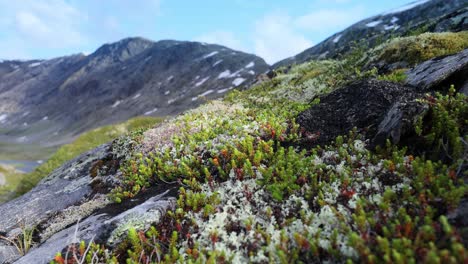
[{"x": 272, "y": 29}]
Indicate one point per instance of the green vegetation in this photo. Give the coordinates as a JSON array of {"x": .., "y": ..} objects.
[
  {"x": 416, "y": 49},
  {"x": 83, "y": 143},
  {"x": 23, "y": 241},
  {"x": 247, "y": 195},
  {"x": 11, "y": 177},
  {"x": 445, "y": 127},
  {"x": 250, "y": 191},
  {"x": 12, "y": 151},
  {"x": 398, "y": 76}
]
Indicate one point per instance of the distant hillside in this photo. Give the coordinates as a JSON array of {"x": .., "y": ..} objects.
[
  {"x": 49, "y": 102},
  {"x": 413, "y": 18}
]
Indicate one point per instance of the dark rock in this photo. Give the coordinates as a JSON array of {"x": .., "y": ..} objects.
[
  {"x": 363, "y": 104},
  {"x": 456, "y": 21},
  {"x": 399, "y": 121},
  {"x": 459, "y": 219},
  {"x": 464, "y": 89},
  {"x": 440, "y": 73},
  {"x": 271, "y": 74}
]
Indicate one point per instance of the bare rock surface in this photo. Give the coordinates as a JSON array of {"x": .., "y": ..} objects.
[
  {"x": 440, "y": 73},
  {"x": 101, "y": 227}
]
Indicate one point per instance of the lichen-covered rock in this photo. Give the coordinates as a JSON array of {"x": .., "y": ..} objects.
[
  {"x": 102, "y": 227},
  {"x": 440, "y": 73},
  {"x": 8, "y": 254},
  {"x": 362, "y": 104},
  {"x": 66, "y": 186}
]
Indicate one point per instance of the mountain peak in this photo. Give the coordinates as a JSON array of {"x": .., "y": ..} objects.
[{"x": 125, "y": 48}]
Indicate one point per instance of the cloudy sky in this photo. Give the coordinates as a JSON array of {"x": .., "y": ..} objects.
[{"x": 272, "y": 29}]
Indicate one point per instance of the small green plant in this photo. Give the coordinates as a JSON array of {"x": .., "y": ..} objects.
[
  {"x": 23, "y": 241},
  {"x": 398, "y": 76},
  {"x": 445, "y": 126}
]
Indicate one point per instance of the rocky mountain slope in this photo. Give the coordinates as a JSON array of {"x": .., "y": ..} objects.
[
  {"x": 416, "y": 17},
  {"x": 361, "y": 159},
  {"x": 327, "y": 162},
  {"x": 49, "y": 102}
]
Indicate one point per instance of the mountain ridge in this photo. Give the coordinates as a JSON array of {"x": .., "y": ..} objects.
[
  {"x": 378, "y": 28},
  {"x": 120, "y": 80}
]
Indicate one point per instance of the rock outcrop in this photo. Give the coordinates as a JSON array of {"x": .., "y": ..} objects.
[
  {"x": 70, "y": 205},
  {"x": 440, "y": 73},
  {"x": 363, "y": 105}
]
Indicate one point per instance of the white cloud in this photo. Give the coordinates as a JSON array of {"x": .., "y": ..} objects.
[
  {"x": 276, "y": 38},
  {"x": 61, "y": 27},
  {"x": 46, "y": 23},
  {"x": 329, "y": 19},
  {"x": 224, "y": 38}
]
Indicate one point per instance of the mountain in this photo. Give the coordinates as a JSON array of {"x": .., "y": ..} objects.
[
  {"x": 419, "y": 16},
  {"x": 49, "y": 102},
  {"x": 326, "y": 162}
]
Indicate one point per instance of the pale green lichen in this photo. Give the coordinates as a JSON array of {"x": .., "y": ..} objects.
[{"x": 72, "y": 215}]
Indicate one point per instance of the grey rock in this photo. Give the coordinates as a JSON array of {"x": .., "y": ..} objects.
[
  {"x": 434, "y": 16},
  {"x": 399, "y": 121},
  {"x": 8, "y": 253},
  {"x": 66, "y": 186},
  {"x": 456, "y": 21},
  {"x": 459, "y": 219},
  {"x": 363, "y": 104},
  {"x": 440, "y": 73},
  {"x": 101, "y": 228}
]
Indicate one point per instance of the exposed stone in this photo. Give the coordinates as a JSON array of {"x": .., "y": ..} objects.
[
  {"x": 399, "y": 121},
  {"x": 8, "y": 253},
  {"x": 101, "y": 228},
  {"x": 459, "y": 218},
  {"x": 362, "y": 104},
  {"x": 456, "y": 21},
  {"x": 440, "y": 73},
  {"x": 64, "y": 187}
]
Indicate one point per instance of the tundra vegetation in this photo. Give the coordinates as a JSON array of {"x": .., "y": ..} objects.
[{"x": 251, "y": 189}]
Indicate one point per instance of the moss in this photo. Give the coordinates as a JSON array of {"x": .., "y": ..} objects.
[
  {"x": 416, "y": 49},
  {"x": 398, "y": 76}
]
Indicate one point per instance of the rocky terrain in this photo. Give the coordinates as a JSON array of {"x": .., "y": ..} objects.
[
  {"x": 49, "y": 102},
  {"x": 416, "y": 17},
  {"x": 358, "y": 159}
]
